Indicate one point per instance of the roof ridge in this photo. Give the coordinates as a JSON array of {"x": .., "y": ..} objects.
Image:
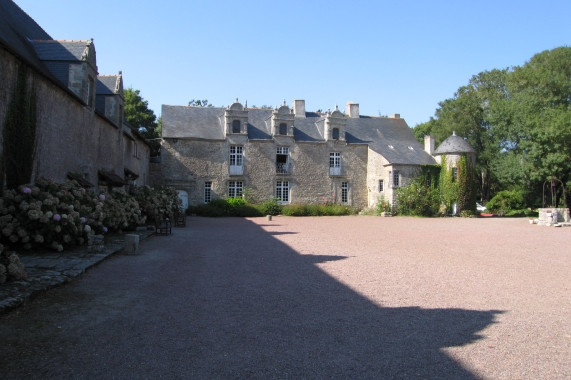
[{"x": 53, "y": 41}]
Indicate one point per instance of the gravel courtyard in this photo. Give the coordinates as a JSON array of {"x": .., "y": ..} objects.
[{"x": 314, "y": 297}]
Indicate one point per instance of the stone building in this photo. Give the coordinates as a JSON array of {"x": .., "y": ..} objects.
[
  {"x": 288, "y": 153},
  {"x": 80, "y": 128}
]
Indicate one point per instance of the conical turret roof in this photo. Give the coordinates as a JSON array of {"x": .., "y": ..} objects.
[{"x": 454, "y": 145}]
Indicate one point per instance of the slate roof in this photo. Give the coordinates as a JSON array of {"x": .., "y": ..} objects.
[
  {"x": 391, "y": 138},
  {"x": 454, "y": 145},
  {"x": 50, "y": 50},
  {"x": 106, "y": 84},
  {"x": 16, "y": 31}
]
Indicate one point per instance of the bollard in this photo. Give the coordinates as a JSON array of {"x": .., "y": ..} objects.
[
  {"x": 269, "y": 218},
  {"x": 131, "y": 244}
]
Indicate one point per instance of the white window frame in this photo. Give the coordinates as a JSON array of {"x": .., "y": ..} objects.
[
  {"x": 236, "y": 159},
  {"x": 235, "y": 189},
  {"x": 207, "y": 191},
  {"x": 282, "y": 191},
  {"x": 335, "y": 163},
  {"x": 282, "y": 167}
]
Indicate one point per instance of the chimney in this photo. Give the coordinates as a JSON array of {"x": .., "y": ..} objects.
[
  {"x": 353, "y": 110},
  {"x": 299, "y": 108},
  {"x": 429, "y": 145},
  {"x": 395, "y": 116}
]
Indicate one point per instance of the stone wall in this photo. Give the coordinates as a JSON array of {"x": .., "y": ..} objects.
[
  {"x": 380, "y": 169},
  {"x": 70, "y": 136},
  {"x": 186, "y": 164}
]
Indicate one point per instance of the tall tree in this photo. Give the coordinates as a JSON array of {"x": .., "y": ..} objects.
[
  {"x": 138, "y": 114},
  {"x": 541, "y": 116},
  {"x": 518, "y": 120}
]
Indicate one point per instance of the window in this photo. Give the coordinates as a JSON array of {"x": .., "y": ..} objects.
[
  {"x": 207, "y": 191},
  {"x": 344, "y": 192},
  {"x": 428, "y": 180},
  {"x": 381, "y": 186},
  {"x": 235, "y": 189},
  {"x": 134, "y": 148},
  {"x": 396, "y": 178},
  {"x": 236, "y": 126},
  {"x": 335, "y": 133},
  {"x": 90, "y": 88},
  {"x": 454, "y": 174},
  {"x": 282, "y": 160},
  {"x": 282, "y": 191},
  {"x": 335, "y": 163},
  {"x": 236, "y": 159},
  {"x": 283, "y": 129}
]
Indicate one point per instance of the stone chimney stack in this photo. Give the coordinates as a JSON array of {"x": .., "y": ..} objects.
[
  {"x": 429, "y": 145},
  {"x": 353, "y": 110},
  {"x": 299, "y": 108}
]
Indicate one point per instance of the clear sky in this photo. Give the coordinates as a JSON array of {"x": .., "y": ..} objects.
[{"x": 388, "y": 56}]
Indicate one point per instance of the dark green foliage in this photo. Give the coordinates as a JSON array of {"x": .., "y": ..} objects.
[
  {"x": 271, "y": 207},
  {"x": 317, "y": 210},
  {"x": 226, "y": 207},
  {"x": 506, "y": 200},
  {"x": 138, "y": 114},
  {"x": 418, "y": 199},
  {"x": 461, "y": 191},
  {"x": 466, "y": 187},
  {"x": 20, "y": 133},
  {"x": 519, "y": 122}
]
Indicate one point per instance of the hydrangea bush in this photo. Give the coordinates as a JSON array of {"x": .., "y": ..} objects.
[{"x": 58, "y": 215}]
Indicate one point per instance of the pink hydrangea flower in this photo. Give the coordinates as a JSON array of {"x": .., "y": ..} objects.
[
  {"x": 27, "y": 190},
  {"x": 57, "y": 217},
  {"x": 102, "y": 197}
]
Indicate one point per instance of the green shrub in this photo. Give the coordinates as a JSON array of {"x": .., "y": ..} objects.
[
  {"x": 271, "y": 207},
  {"x": 417, "y": 199},
  {"x": 295, "y": 210},
  {"x": 383, "y": 206},
  {"x": 317, "y": 210},
  {"x": 506, "y": 200}
]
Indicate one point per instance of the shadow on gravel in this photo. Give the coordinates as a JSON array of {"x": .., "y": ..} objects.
[
  {"x": 280, "y": 316},
  {"x": 223, "y": 299}
]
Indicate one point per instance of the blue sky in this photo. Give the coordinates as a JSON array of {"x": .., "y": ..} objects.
[{"x": 388, "y": 56}]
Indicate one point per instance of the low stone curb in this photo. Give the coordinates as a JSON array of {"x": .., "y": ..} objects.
[{"x": 48, "y": 269}]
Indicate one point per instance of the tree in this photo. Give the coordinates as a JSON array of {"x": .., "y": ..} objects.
[
  {"x": 519, "y": 122},
  {"x": 541, "y": 116},
  {"x": 468, "y": 113},
  {"x": 138, "y": 114},
  {"x": 199, "y": 103}
]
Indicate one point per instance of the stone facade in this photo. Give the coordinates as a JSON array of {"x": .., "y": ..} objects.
[
  {"x": 297, "y": 156},
  {"x": 80, "y": 129}
]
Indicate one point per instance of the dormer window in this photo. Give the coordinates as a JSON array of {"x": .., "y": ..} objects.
[
  {"x": 90, "y": 90},
  {"x": 283, "y": 129},
  {"x": 335, "y": 133},
  {"x": 236, "y": 126}
]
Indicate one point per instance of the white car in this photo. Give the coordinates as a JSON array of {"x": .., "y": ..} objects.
[{"x": 479, "y": 207}]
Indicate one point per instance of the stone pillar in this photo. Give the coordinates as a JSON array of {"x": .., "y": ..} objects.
[{"x": 131, "y": 244}]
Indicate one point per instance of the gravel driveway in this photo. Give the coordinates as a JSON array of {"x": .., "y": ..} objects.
[{"x": 327, "y": 297}]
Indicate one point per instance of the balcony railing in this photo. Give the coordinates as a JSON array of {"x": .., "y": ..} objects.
[
  {"x": 282, "y": 168},
  {"x": 335, "y": 170},
  {"x": 236, "y": 170}
]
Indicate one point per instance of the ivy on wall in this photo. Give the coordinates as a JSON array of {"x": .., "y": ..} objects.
[
  {"x": 459, "y": 190},
  {"x": 20, "y": 132}
]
